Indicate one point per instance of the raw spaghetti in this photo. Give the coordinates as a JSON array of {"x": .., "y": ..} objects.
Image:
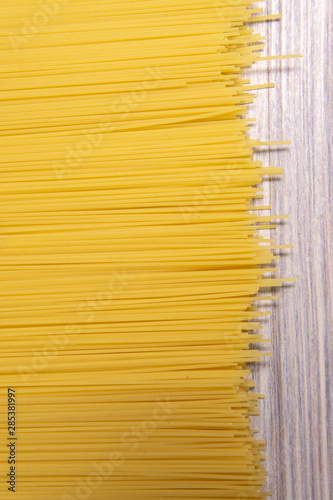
[{"x": 131, "y": 256}]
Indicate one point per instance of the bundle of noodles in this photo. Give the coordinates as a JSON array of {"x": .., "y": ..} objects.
[{"x": 130, "y": 255}]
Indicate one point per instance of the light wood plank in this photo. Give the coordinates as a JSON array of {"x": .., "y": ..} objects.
[{"x": 297, "y": 415}]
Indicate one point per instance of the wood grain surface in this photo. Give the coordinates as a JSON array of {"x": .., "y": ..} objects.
[{"x": 297, "y": 414}]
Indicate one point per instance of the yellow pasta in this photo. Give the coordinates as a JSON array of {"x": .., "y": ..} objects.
[{"x": 132, "y": 257}]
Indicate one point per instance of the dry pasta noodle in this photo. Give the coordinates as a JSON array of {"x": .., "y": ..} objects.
[{"x": 131, "y": 254}]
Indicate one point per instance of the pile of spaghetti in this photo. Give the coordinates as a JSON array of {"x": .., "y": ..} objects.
[{"x": 131, "y": 253}]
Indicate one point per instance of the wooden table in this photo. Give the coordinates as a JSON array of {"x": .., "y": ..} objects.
[{"x": 297, "y": 415}]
